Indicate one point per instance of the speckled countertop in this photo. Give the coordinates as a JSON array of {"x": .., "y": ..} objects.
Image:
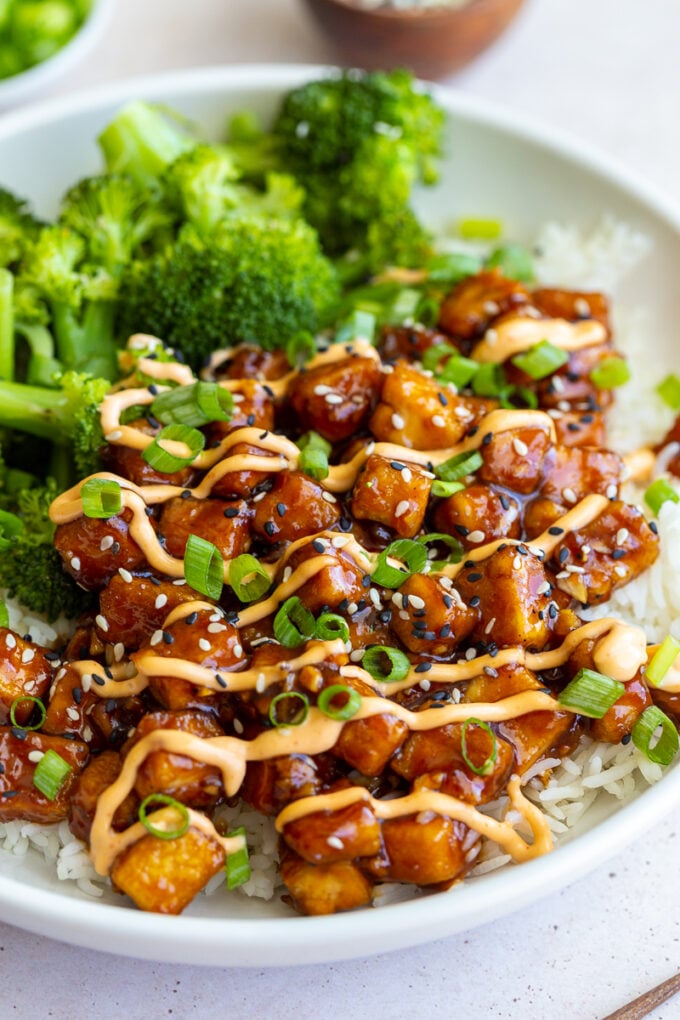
[{"x": 607, "y": 70}]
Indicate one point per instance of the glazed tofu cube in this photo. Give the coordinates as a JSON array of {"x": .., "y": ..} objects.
[
  {"x": 226, "y": 525},
  {"x": 19, "y": 757},
  {"x": 337, "y": 586},
  {"x": 164, "y": 875},
  {"x": 134, "y": 608},
  {"x": 472, "y": 304},
  {"x": 328, "y": 836},
  {"x": 392, "y": 493},
  {"x": 515, "y": 459},
  {"x": 231, "y": 484},
  {"x": 253, "y": 408},
  {"x": 129, "y": 463},
  {"x": 324, "y": 888},
  {"x": 581, "y": 428},
  {"x": 70, "y": 706},
  {"x": 368, "y": 744},
  {"x": 619, "y": 720},
  {"x": 429, "y": 617},
  {"x": 478, "y": 514},
  {"x": 99, "y": 773},
  {"x": 514, "y": 595},
  {"x": 572, "y": 304},
  {"x": 336, "y": 399},
  {"x": 270, "y": 785},
  {"x": 25, "y": 672},
  {"x": 295, "y": 506},
  {"x": 93, "y": 550},
  {"x": 571, "y": 473},
  {"x": 418, "y": 413},
  {"x": 425, "y": 849}
]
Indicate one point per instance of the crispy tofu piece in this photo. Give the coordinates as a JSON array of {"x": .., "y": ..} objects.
[
  {"x": 208, "y": 519},
  {"x": 571, "y": 473},
  {"x": 328, "y": 836},
  {"x": 24, "y": 672},
  {"x": 86, "y": 554},
  {"x": 295, "y": 506},
  {"x": 99, "y": 773},
  {"x": 581, "y": 428},
  {"x": 352, "y": 385},
  {"x": 339, "y": 584},
  {"x": 572, "y": 305},
  {"x": 134, "y": 609},
  {"x": 324, "y": 888},
  {"x": 430, "y": 618},
  {"x": 478, "y": 514},
  {"x": 474, "y": 302},
  {"x": 368, "y": 744},
  {"x": 19, "y": 798},
  {"x": 426, "y": 849},
  {"x": 619, "y": 720},
  {"x": 253, "y": 407},
  {"x": 247, "y": 361},
  {"x": 611, "y": 551},
  {"x": 408, "y": 342},
  {"x": 70, "y": 706},
  {"x": 513, "y": 598},
  {"x": 515, "y": 459},
  {"x": 129, "y": 463},
  {"x": 418, "y": 413},
  {"x": 395, "y": 496},
  {"x": 242, "y": 484},
  {"x": 164, "y": 875},
  {"x": 270, "y": 785}
]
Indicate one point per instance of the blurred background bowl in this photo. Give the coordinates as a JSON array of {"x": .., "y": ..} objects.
[
  {"x": 432, "y": 41},
  {"x": 35, "y": 82}
]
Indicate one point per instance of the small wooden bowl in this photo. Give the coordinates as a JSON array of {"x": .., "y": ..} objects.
[{"x": 430, "y": 41}]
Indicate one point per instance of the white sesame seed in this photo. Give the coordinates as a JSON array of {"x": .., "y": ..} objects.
[
  {"x": 180, "y": 582},
  {"x": 87, "y": 733},
  {"x": 446, "y": 583},
  {"x": 461, "y": 411},
  {"x": 161, "y": 601},
  {"x": 620, "y": 570},
  {"x": 356, "y": 655},
  {"x": 260, "y": 496},
  {"x": 490, "y": 625},
  {"x": 581, "y": 307},
  {"x": 403, "y": 615},
  {"x": 517, "y": 563},
  {"x": 562, "y": 574},
  {"x": 564, "y": 405},
  {"x": 335, "y": 842},
  {"x": 476, "y": 536},
  {"x": 491, "y": 336},
  {"x": 387, "y": 369},
  {"x": 35, "y": 755},
  {"x": 28, "y": 655},
  {"x": 519, "y": 447},
  {"x": 340, "y": 541},
  {"x": 554, "y": 413},
  {"x": 569, "y": 495},
  {"x": 114, "y": 436},
  {"x": 321, "y": 390},
  {"x": 86, "y": 681},
  {"x": 328, "y": 497},
  {"x": 621, "y": 536},
  {"x": 374, "y": 596},
  {"x": 238, "y": 398},
  {"x": 543, "y": 589},
  {"x": 352, "y": 608},
  {"x": 72, "y": 713},
  {"x": 238, "y": 651},
  {"x": 204, "y": 645},
  {"x": 102, "y": 622},
  {"x": 407, "y": 475},
  {"x": 370, "y": 448},
  {"x": 118, "y": 651},
  {"x": 334, "y": 398},
  {"x": 10, "y": 640},
  {"x": 75, "y": 563},
  {"x": 471, "y": 654},
  {"x": 125, "y": 574},
  {"x": 397, "y": 421},
  {"x": 287, "y": 573},
  {"x": 438, "y": 421},
  {"x": 572, "y": 568},
  {"x": 491, "y": 308},
  {"x": 425, "y": 684},
  {"x": 401, "y": 508},
  {"x": 557, "y": 383},
  {"x": 238, "y": 726},
  {"x": 416, "y": 601},
  {"x": 611, "y": 491},
  {"x": 29, "y": 687},
  {"x": 585, "y": 551},
  {"x": 215, "y": 628},
  {"x": 261, "y": 683},
  {"x": 156, "y": 637},
  {"x": 106, "y": 543}
]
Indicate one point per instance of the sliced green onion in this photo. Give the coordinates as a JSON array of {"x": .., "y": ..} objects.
[
  {"x": 301, "y": 710},
  {"x": 662, "y": 660},
  {"x": 359, "y": 326},
  {"x": 50, "y": 774},
  {"x": 10, "y": 527},
  {"x": 489, "y": 762},
  {"x": 662, "y": 747},
  {"x": 237, "y": 865},
  {"x": 473, "y": 228},
  {"x": 489, "y": 381},
  {"x": 159, "y": 458},
  {"x": 541, "y": 360},
  {"x": 340, "y": 713},
  {"x": 456, "y": 553},
  {"x": 102, "y": 497},
  {"x": 4, "y": 615},
  {"x": 373, "y": 661},
  {"x": 153, "y": 830},
  {"x": 248, "y": 578},
  {"x": 445, "y": 489},
  {"x": 434, "y": 355},
  {"x": 203, "y": 567},
  {"x": 669, "y": 391},
  {"x": 330, "y": 626},
  {"x": 314, "y": 463},
  {"x": 427, "y": 312},
  {"x": 514, "y": 397},
  {"x": 591, "y": 693},
  {"x": 300, "y": 349},
  {"x": 194, "y": 405},
  {"x": 459, "y": 466},
  {"x": 452, "y": 267},
  {"x": 459, "y": 370},
  {"x": 293, "y": 624},
  {"x": 29, "y": 698},
  {"x": 313, "y": 441},
  {"x": 658, "y": 493},
  {"x": 514, "y": 261},
  {"x": 610, "y": 373},
  {"x": 405, "y": 305},
  {"x": 412, "y": 554}
]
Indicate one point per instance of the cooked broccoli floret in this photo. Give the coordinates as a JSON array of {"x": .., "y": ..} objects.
[
  {"x": 142, "y": 141},
  {"x": 67, "y": 416},
  {"x": 258, "y": 279},
  {"x": 358, "y": 144},
  {"x": 30, "y": 566},
  {"x": 18, "y": 227}
]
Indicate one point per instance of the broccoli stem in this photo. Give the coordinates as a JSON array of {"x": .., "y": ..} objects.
[
  {"x": 142, "y": 141},
  {"x": 87, "y": 346},
  {"x": 34, "y": 409},
  {"x": 6, "y": 324},
  {"x": 43, "y": 367}
]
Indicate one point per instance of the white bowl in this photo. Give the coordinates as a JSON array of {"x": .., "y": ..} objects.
[
  {"x": 497, "y": 167},
  {"x": 33, "y": 83}
]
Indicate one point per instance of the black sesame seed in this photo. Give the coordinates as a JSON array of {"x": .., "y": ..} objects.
[
  {"x": 545, "y": 690},
  {"x": 418, "y": 613},
  {"x": 231, "y": 511},
  {"x": 625, "y": 739},
  {"x": 429, "y": 635},
  {"x": 552, "y": 610},
  {"x": 77, "y": 694},
  {"x": 440, "y": 696},
  {"x": 586, "y": 419},
  {"x": 541, "y": 614},
  {"x": 155, "y": 580},
  {"x": 618, "y": 554},
  {"x": 502, "y": 546},
  {"x": 437, "y": 704},
  {"x": 108, "y": 672},
  {"x": 472, "y": 432},
  {"x": 396, "y": 465},
  {"x": 555, "y": 530},
  {"x": 423, "y": 667},
  {"x": 654, "y": 527},
  {"x": 153, "y": 390},
  {"x": 573, "y": 427},
  {"x": 366, "y": 581},
  {"x": 404, "y": 601},
  {"x": 110, "y": 706},
  {"x": 342, "y": 606},
  {"x": 185, "y": 494},
  {"x": 361, "y": 604},
  {"x": 563, "y": 555},
  {"x": 269, "y": 528},
  {"x": 419, "y": 625},
  {"x": 115, "y": 548},
  {"x": 468, "y": 564},
  {"x": 318, "y": 546},
  {"x": 447, "y": 600},
  {"x": 178, "y": 356},
  {"x": 462, "y": 530},
  {"x": 344, "y": 524},
  {"x": 221, "y": 681},
  {"x": 473, "y": 578},
  {"x": 522, "y": 550},
  {"x": 99, "y": 680},
  {"x": 2, "y": 769},
  {"x": 19, "y": 733},
  {"x": 445, "y": 630},
  {"x": 168, "y": 638},
  {"x": 487, "y": 438},
  {"x": 250, "y": 420},
  {"x": 442, "y": 400},
  {"x": 385, "y": 616},
  {"x": 191, "y": 618},
  {"x": 216, "y": 445},
  {"x": 9, "y": 793},
  {"x": 474, "y": 601},
  {"x": 264, "y": 434},
  {"x": 51, "y": 656},
  {"x": 505, "y": 502},
  {"x": 572, "y": 376},
  {"x": 281, "y": 509},
  {"x": 268, "y": 390}
]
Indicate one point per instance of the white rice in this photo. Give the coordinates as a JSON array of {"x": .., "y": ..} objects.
[{"x": 563, "y": 789}]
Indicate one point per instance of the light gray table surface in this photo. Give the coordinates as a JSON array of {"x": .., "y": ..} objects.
[{"x": 609, "y": 72}]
